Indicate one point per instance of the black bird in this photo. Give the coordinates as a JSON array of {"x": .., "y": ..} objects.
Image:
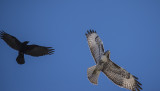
[{"x": 23, "y": 48}]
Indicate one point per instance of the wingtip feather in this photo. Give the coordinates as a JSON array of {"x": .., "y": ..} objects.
[
  {"x": 138, "y": 85},
  {"x": 135, "y": 77},
  {"x": 50, "y": 51},
  {"x": 90, "y": 32},
  {"x": 2, "y": 33}
]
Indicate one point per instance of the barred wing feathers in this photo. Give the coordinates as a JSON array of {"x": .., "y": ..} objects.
[
  {"x": 95, "y": 45},
  {"x": 121, "y": 77},
  {"x": 117, "y": 74}
]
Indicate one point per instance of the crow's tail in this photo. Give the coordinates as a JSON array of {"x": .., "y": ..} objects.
[{"x": 20, "y": 58}]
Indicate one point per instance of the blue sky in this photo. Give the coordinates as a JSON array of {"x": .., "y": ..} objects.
[{"x": 130, "y": 29}]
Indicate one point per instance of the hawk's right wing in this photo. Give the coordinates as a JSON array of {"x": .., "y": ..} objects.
[
  {"x": 95, "y": 45},
  {"x": 120, "y": 76},
  {"x": 12, "y": 41}
]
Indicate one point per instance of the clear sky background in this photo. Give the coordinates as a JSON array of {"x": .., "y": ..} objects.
[{"x": 130, "y": 29}]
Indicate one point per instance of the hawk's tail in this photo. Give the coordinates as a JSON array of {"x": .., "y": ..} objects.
[
  {"x": 93, "y": 74},
  {"x": 20, "y": 58}
]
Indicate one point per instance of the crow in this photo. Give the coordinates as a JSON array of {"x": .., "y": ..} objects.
[{"x": 23, "y": 48}]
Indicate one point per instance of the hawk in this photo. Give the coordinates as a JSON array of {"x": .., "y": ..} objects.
[
  {"x": 115, "y": 73},
  {"x": 23, "y": 48}
]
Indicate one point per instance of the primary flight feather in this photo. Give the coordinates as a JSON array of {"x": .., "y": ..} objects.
[
  {"x": 23, "y": 48},
  {"x": 115, "y": 73}
]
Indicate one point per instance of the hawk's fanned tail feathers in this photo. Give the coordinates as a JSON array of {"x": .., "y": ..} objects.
[
  {"x": 117, "y": 74},
  {"x": 93, "y": 74}
]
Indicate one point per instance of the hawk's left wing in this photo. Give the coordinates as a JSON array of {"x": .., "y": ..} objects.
[
  {"x": 36, "y": 50},
  {"x": 95, "y": 45},
  {"x": 120, "y": 76}
]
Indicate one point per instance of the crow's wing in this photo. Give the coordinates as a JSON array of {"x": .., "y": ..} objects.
[
  {"x": 95, "y": 45},
  {"x": 120, "y": 76},
  {"x": 36, "y": 50},
  {"x": 12, "y": 41}
]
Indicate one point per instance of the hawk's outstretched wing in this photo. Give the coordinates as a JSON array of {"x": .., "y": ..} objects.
[
  {"x": 120, "y": 76},
  {"x": 36, "y": 50},
  {"x": 114, "y": 72},
  {"x": 95, "y": 45},
  {"x": 12, "y": 41}
]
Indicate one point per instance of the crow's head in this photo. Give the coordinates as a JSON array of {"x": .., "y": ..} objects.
[{"x": 25, "y": 42}]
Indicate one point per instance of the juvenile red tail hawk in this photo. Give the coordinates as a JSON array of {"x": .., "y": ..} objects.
[
  {"x": 115, "y": 73},
  {"x": 23, "y": 48}
]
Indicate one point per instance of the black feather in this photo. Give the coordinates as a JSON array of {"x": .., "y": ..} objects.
[
  {"x": 135, "y": 77},
  {"x": 2, "y": 34},
  {"x": 137, "y": 89},
  {"x": 138, "y": 83},
  {"x": 23, "y": 48},
  {"x": 90, "y": 32},
  {"x": 139, "y": 86}
]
